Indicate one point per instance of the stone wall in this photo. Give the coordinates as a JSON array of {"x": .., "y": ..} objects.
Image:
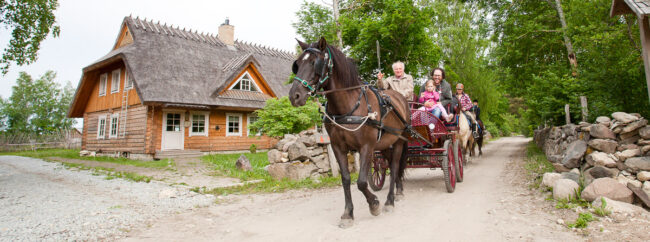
[
  {"x": 299, "y": 156},
  {"x": 617, "y": 148}
]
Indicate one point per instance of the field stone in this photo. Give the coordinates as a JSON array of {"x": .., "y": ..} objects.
[
  {"x": 617, "y": 207},
  {"x": 607, "y": 187},
  {"x": 321, "y": 162},
  {"x": 300, "y": 170},
  {"x": 604, "y": 145},
  {"x": 278, "y": 170},
  {"x": 601, "y": 159},
  {"x": 549, "y": 178},
  {"x": 646, "y": 186},
  {"x": 574, "y": 154},
  {"x": 604, "y": 120},
  {"x": 645, "y": 149},
  {"x": 627, "y": 147},
  {"x": 625, "y": 180},
  {"x": 645, "y": 132},
  {"x": 630, "y": 140},
  {"x": 627, "y": 135},
  {"x": 307, "y": 140},
  {"x": 624, "y": 117},
  {"x": 635, "y": 164},
  {"x": 643, "y": 176},
  {"x": 560, "y": 168},
  {"x": 274, "y": 156},
  {"x": 555, "y": 158},
  {"x": 635, "y": 125},
  {"x": 601, "y": 132},
  {"x": 243, "y": 163},
  {"x": 571, "y": 176},
  {"x": 600, "y": 172},
  {"x": 565, "y": 188},
  {"x": 297, "y": 151},
  {"x": 626, "y": 154}
]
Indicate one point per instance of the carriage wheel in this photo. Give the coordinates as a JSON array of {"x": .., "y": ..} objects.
[
  {"x": 377, "y": 174},
  {"x": 448, "y": 167},
  {"x": 459, "y": 161}
]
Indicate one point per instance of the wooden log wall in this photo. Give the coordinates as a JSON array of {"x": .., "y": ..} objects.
[
  {"x": 133, "y": 142},
  {"x": 110, "y": 100}
]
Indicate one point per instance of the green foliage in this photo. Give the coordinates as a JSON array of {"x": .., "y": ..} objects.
[
  {"x": 30, "y": 23},
  {"x": 582, "y": 221},
  {"x": 314, "y": 21},
  {"x": 536, "y": 164},
  {"x": 74, "y": 154},
  {"x": 279, "y": 117},
  {"x": 38, "y": 106},
  {"x": 253, "y": 148},
  {"x": 602, "y": 210}
]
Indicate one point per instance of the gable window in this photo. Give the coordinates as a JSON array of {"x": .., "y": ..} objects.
[
  {"x": 102, "y": 84},
  {"x": 199, "y": 124},
  {"x": 129, "y": 83},
  {"x": 101, "y": 126},
  {"x": 115, "y": 82},
  {"x": 114, "y": 120},
  {"x": 246, "y": 83},
  {"x": 233, "y": 123},
  {"x": 252, "y": 118}
]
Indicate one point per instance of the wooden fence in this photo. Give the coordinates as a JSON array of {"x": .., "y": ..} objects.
[{"x": 64, "y": 139}]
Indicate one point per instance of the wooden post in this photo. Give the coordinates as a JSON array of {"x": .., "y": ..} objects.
[
  {"x": 585, "y": 111},
  {"x": 644, "y": 28},
  {"x": 568, "y": 115},
  {"x": 334, "y": 165}
]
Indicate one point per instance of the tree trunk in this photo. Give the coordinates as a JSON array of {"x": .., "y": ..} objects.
[
  {"x": 567, "y": 42},
  {"x": 335, "y": 6}
]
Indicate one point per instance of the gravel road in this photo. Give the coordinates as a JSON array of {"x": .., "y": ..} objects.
[{"x": 43, "y": 201}]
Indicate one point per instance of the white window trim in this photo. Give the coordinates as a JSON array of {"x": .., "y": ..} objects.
[
  {"x": 101, "y": 132},
  {"x": 206, "y": 125},
  {"x": 238, "y": 115},
  {"x": 250, "y": 77},
  {"x": 117, "y": 125},
  {"x": 128, "y": 84},
  {"x": 103, "y": 77},
  {"x": 248, "y": 124},
  {"x": 117, "y": 89}
]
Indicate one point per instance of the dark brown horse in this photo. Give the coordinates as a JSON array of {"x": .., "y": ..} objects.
[{"x": 323, "y": 69}]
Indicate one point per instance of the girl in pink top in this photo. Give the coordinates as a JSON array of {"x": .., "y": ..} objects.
[{"x": 430, "y": 100}]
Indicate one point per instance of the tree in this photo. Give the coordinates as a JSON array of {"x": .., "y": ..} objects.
[
  {"x": 314, "y": 21},
  {"x": 279, "y": 117},
  {"x": 30, "y": 21},
  {"x": 38, "y": 106}
]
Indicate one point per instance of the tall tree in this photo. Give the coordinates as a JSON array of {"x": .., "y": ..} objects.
[
  {"x": 314, "y": 21},
  {"x": 30, "y": 21}
]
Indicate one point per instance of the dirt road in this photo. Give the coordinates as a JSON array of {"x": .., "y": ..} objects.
[{"x": 490, "y": 205}]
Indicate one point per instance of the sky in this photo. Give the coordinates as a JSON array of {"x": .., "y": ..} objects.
[{"x": 89, "y": 29}]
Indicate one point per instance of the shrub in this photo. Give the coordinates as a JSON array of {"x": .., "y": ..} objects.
[{"x": 253, "y": 148}]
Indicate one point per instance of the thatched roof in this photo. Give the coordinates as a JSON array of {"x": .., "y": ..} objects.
[
  {"x": 170, "y": 65},
  {"x": 638, "y": 7}
]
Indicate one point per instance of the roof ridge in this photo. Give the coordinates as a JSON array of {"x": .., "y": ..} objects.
[{"x": 263, "y": 49}]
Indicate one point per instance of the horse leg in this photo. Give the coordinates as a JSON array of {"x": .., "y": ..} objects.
[
  {"x": 394, "y": 167},
  {"x": 480, "y": 144},
  {"x": 400, "y": 172},
  {"x": 347, "y": 219},
  {"x": 362, "y": 183}
]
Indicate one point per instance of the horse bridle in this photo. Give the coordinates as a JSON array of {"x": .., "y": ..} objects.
[{"x": 321, "y": 69}]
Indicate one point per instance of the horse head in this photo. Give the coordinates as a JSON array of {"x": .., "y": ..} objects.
[{"x": 311, "y": 69}]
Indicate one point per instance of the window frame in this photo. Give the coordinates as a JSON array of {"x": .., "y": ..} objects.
[
  {"x": 248, "y": 124},
  {"x": 239, "y": 116},
  {"x": 128, "y": 84},
  {"x": 101, "y": 128},
  {"x": 102, "y": 86},
  {"x": 251, "y": 83},
  {"x": 206, "y": 124},
  {"x": 114, "y": 83},
  {"x": 116, "y": 117}
]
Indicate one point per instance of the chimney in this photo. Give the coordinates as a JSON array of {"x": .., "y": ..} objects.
[{"x": 227, "y": 33}]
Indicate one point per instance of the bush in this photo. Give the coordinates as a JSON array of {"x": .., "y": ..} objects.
[
  {"x": 279, "y": 117},
  {"x": 253, "y": 148}
]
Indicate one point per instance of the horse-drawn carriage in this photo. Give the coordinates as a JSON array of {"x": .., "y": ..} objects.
[{"x": 434, "y": 145}]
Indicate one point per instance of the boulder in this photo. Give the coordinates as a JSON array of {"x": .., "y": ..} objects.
[
  {"x": 604, "y": 120},
  {"x": 600, "y": 172},
  {"x": 601, "y": 132},
  {"x": 565, "y": 189},
  {"x": 604, "y": 145},
  {"x": 627, "y": 147},
  {"x": 307, "y": 140},
  {"x": 274, "y": 156},
  {"x": 607, "y": 187},
  {"x": 645, "y": 132},
  {"x": 571, "y": 176},
  {"x": 643, "y": 142},
  {"x": 588, "y": 179},
  {"x": 645, "y": 149},
  {"x": 600, "y": 159},
  {"x": 625, "y": 180},
  {"x": 297, "y": 151},
  {"x": 243, "y": 163},
  {"x": 570, "y": 130},
  {"x": 550, "y": 178},
  {"x": 643, "y": 176},
  {"x": 626, "y": 135},
  {"x": 617, "y": 207},
  {"x": 624, "y": 117},
  {"x": 560, "y": 168},
  {"x": 626, "y": 154},
  {"x": 646, "y": 187},
  {"x": 322, "y": 162},
  {"x": 300, "y": 170},
  {"x": 630, "y": 140},
  {"x": 286, "y": 145},
  {"x": 635, "y": 125},
  {"x": 574, "y": 153},
  {"x": 278, "y": 170},
  {"x": 554, "y": 158},
  {"x": 316, "y": 151}
]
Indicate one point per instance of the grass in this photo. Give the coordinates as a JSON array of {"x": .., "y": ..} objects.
[
  {"x": 536, "y": 164},
  {"x": 110, "y": 173},
  {"x": 225, "y": 165},
  {"x": 74, "y": 154},
  {"x": 582, "y": 221},
  {"x": 602, "y": 210}
]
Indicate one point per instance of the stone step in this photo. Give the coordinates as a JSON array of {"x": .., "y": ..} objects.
[{"x": 178, "y": 154}]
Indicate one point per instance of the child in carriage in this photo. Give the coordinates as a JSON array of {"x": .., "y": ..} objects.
[{"x": 429, "y": 98}]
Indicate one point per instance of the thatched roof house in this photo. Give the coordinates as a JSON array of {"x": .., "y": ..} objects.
[{"x": 177, "y": 89}]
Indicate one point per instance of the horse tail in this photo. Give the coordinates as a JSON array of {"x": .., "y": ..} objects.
[{"x": 402, "y": 162}]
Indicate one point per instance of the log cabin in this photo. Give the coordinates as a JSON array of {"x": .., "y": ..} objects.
[{"x": 164, "y": 89}]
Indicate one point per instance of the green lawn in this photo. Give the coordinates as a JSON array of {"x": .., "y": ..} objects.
[{"x": 74, "y": 154}]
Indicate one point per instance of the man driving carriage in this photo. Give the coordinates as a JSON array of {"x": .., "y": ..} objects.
[{"x": 400, "y": 82}]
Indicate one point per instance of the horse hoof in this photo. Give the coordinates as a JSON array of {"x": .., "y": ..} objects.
[
  {"x": 346, "y": 223},
  {"x": 388, "y": 208},
  {"x": 375, "y": 208},
  {"x": 399, "y": 197}
]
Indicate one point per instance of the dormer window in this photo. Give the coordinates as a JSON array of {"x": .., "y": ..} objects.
[{"x": 246, "y": 83}]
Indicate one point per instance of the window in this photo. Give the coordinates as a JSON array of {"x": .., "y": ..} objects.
[
  {"x": 199, "y": 124},
  {"x": 173, "y": 122},
  {"x": 252, "y": 118},
  {"x": 101, "y": 126},
  {"x": 102, "y": 84},
  {"x": 115, "y": 81},
  {"x": 114, "y": 121},
  {"x": 246, "y": 83},
  {"x": 129, "y": 83},
  {"x": 233, "y": 124}
]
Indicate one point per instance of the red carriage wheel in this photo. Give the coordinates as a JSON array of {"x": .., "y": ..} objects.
[
  {"x": 448, "y": 167},
  {"x": 377, "y": 173},
  {"x": 459, "y": 161}
]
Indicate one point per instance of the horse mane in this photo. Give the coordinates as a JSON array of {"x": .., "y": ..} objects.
[{"x": 344, "y": 68}]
